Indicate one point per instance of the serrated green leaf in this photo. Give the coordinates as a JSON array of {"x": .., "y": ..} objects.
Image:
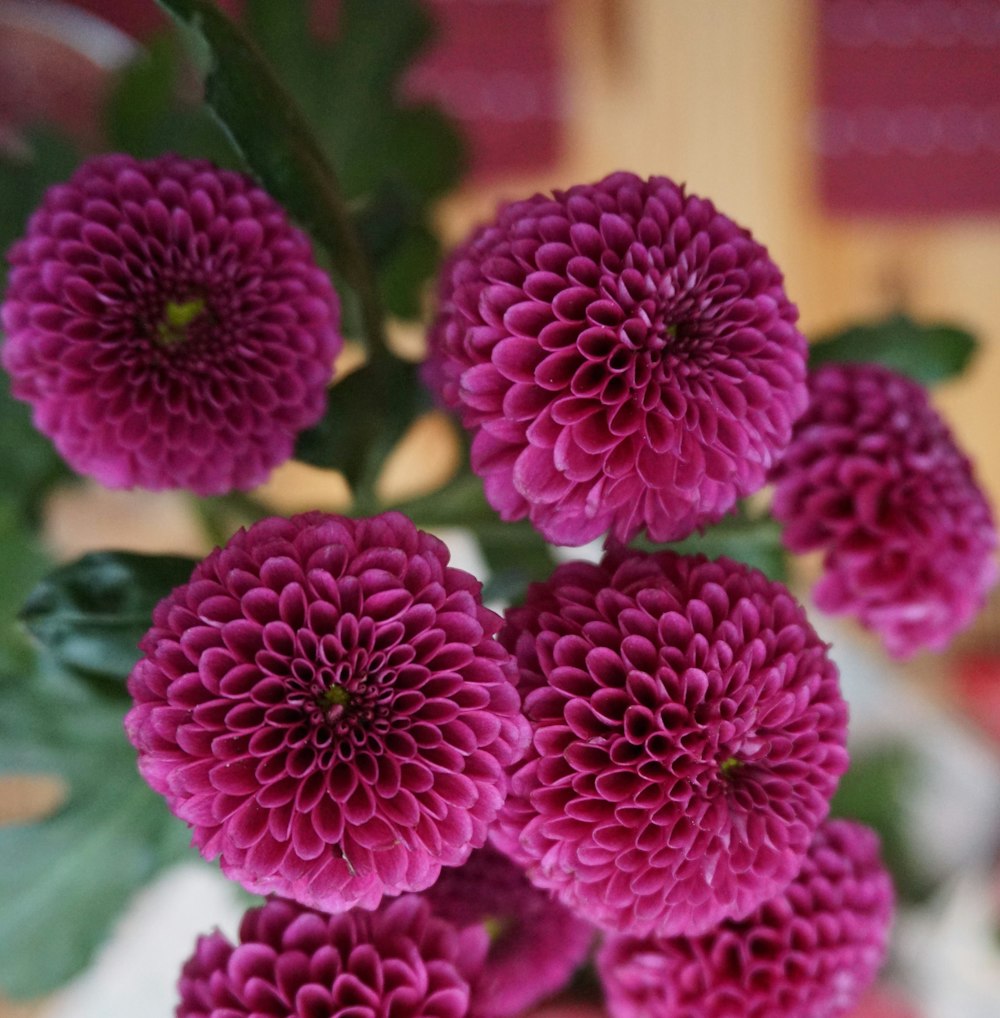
[
  {"x": 927, "y": 353},
  {"x": 90, "y": 615},
  {"x": 65, "y": 878}
]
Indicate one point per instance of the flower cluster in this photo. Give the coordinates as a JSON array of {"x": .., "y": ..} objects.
[
  {"x": 399, "y": 962},
  {"x": 168, "y": 325},
  {"x": 324, "y": 703},
  {"x": 625, "y": 357},
  {"x": 873, "y": 479},
  {"x": 688, "y": 735},
  {"x": 649, "y": 743},
  {"x": 811, "y": 950}
]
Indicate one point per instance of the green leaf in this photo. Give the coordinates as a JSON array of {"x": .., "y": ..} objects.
[
  {"x": 264, "y": 122},
  {"x": 65, "y": 879},
  {"x": 348, "y": 90},
  {"x": 48, "y": 159},
  {"x": 24, "y": 564},
  {"x": 29, "y": 463},
  {"x": 90, "y": 615},
  {"x": 367, "y": 414},
  {"x": 874, "y": 791},
  {"x": 755, "y": 541},
  {"x": 926, "y": 353},
  {"x": 146, "y": 116}
]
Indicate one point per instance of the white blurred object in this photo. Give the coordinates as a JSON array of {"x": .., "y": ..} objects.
[
  {"x": 952, "y": 814},
  {"x": 948, "y": 952}
]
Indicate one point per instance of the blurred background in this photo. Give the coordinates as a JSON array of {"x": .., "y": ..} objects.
[{"x": 860, "y": 141}]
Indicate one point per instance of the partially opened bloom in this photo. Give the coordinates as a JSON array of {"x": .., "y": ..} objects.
[
  {"x": 809, "y": 952},
  {"x": 624, "y": 355},
  {"x": 168, "y": 325},
  {"x": 535, "y": 943},
  {"x": 398, "y": 962},
  {"x": 688, "y": 733},
  {"x": 324, "y": 703},
  {"x": 873, "y": 479}
]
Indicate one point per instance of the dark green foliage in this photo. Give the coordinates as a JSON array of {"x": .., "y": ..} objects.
[
  {"x": 66, "y": 877},
  {"x": 90, "y": 615},
  {"x": 927, "y": 353}
]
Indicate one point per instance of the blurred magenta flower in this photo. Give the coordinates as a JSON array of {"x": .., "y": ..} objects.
[
  {"x": 400, "y": 961},
  {"x": 812, "y": 950},
  {"x": 873, "y": 479},
  {"x": 625, "y": 357},
  {"x": 688, "y": 734},
  {"x": 535, "y": 943},
  {"x": 168, "y": 326},
  {"x": 325, "y": 705}
]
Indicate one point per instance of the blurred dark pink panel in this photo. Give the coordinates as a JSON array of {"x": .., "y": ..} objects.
[
  {"x": 494, "y": 66},
  {"x": 908, "y": 107}
]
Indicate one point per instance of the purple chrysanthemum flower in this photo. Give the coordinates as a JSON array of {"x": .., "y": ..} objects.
[
  {"x": 398, "y": 962},
  {"x": 168, "y": 325},
  {"x": 873, "y": 478},
  {"x": 809, "y": 952},
  {"x": 625, "y": 357},
  {"x": 324, "y": 703},
  {"x": 536, "y": 943},
  {"x": 688, "y": 734}
]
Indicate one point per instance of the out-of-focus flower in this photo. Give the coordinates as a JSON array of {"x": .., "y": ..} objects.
[
  {"x": 168, "y": 325},
  {"x": 324, "y": 703},
  {"x": 884, "y": 1002},
  {"x": 625, "y": 357},
  {"x": 688, "y": 734},
  {"x": 873, "y": 478},
  {"x": 536, "y": 943},
  {"x": 401, "y": 961},
  {"x": 809, "y": 952}
]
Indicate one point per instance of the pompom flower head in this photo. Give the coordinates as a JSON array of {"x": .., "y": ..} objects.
[
  {"x": 324, "y": 703},
  {"x": 688, "y": 733},
  {"x": 398, "y": 962},
  {"x": 536, "y": 943},
  {"x": 874, "y": 480},
  {"x": 625, "y": 357},
  {"x": 168, "y": 326},
  {"x": 809, "y": 952}
]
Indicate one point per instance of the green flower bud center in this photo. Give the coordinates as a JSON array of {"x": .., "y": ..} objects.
[
  {"x": 177, "y": 316},
  {"x": 335, "y": 696},
  {"x": 496, "y": 926}
]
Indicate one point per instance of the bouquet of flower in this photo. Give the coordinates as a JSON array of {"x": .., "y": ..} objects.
[{"x": 447, "y": 808}]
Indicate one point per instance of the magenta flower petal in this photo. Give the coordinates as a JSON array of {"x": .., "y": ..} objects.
[
  {"x": 325, "y": 704},
  {"x": 812, "y": 950},
  {"x": 874, "y": 480},
  {"x": 688, "y": 734},
  {"x": 400, "y": 961},
  {"x": 536, "y": 943},
  {"x": 168, "y": 326},
  {"x": 625, "y": 357}
]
